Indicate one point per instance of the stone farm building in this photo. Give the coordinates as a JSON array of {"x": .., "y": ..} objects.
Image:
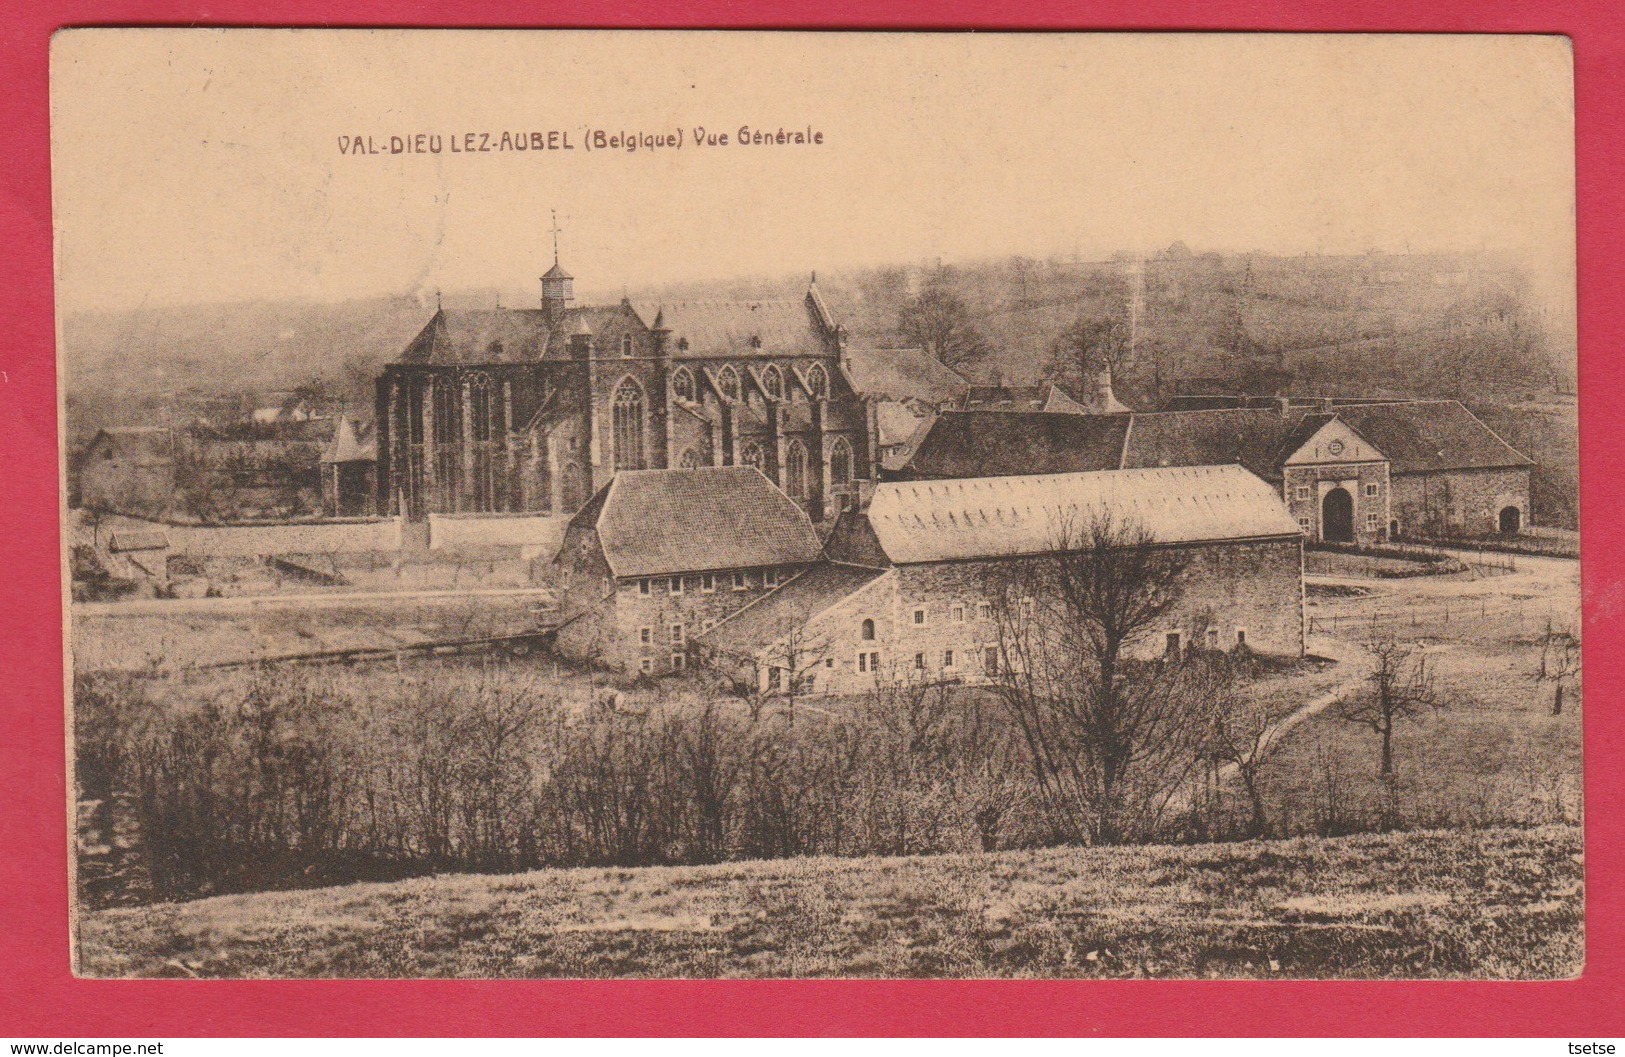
[
  {"x": 717, "y": 563},
  {"x": 1352, "y": 473},
  {"x": 534, "y": 410},
  {"x": 905, "y": 596},
  {"x": 657, "y": 556}
]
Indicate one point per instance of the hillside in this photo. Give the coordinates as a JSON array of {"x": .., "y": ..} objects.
[
  {"x": 1456, "y": 326},
  {"x": 1492, "y": 903}
]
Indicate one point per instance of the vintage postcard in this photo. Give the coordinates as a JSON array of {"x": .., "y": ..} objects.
[{"x": 766, "y": 504}]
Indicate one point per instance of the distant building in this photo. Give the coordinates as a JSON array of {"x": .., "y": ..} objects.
[
  {"x": 908, "y": 387},
  {"x": 1099, "y": 400},
  {"x": 240, "y": 471},
  {"x": 293, "y": 409},
  {"x": 658, "y": 556},
  {"x": 904, "y": 597},
  {"x": 129, "y": 470},
  {"x": 1352, "y": 472}
]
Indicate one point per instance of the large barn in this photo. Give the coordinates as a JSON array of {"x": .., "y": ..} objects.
[{"x": 905, "y": 593}]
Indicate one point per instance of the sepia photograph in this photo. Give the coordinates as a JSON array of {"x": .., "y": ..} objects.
[{"x": 679, "y": 504}]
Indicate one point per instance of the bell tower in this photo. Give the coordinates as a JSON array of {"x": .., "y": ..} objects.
[{"x": 558, "y": 292}]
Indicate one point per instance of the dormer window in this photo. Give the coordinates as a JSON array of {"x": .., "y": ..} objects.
[
  {"x": 755, "y": 341},
  {"x": 682, "y": 344},
  {"x": 494, "y": 350}
]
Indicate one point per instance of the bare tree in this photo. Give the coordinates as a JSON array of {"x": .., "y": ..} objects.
[
  {"x": 786, "y": 671},
  {"x": 792, "y": 665},
  {"x": 1090, "y": 345},
  {"x": 1559, "y": 662},
  {"x": 938, "y": 321},
  {"x": 1109, "y": 736},
  {"x": 1399, "y": 689},
  {"x": 1240, "y": 735}
]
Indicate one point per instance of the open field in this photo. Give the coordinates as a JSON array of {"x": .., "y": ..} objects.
[
  {"x": 1493, "y": 752},
  {"x": 1494, "y": 903},
  {"x": 167, "y": 635}
]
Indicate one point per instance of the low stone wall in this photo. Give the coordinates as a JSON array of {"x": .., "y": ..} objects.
[
  {"x": 532, "y": 536},
  {"x": 252, "y": 541}
]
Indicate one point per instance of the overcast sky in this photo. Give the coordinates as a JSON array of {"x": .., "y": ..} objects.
[{"x": 204, "y": 165}]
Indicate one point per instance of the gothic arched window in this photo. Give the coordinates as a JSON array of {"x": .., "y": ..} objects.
[
  {"x": 817, "y": 381},
  {"x": 795, "y": 470},
  {"x": 445, "y": 405},
  {"x": 751, "y": 455},
  {"x": 479, "y": 405},
  {"x": 682, "y": 384},
  {"x": 728, "y": 382},
  {"x": 840, "y": 462},
  {"x": 628, "y": 424},
  {"x": 773, "y": 382}
]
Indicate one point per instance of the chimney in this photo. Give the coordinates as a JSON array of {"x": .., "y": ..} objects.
[
  {"x": 1100, "y": 399},
  {"x": 581, "y": 340}
]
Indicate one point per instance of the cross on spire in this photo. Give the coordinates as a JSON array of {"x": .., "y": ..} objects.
[{"x": 555, "y": 229}]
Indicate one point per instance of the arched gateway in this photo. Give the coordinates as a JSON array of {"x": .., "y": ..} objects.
[{"x": 1337, "y": 516}]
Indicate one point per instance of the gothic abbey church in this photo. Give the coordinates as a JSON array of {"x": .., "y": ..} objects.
[{"x": 532, "y": 410}]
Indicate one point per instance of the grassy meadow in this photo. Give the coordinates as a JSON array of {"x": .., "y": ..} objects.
[{"x": 1491, "y": 903}]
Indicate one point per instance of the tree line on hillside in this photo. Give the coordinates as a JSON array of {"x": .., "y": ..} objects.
[
  {"x": 1452, "y": 326},
  {"x": 1310, "y": 325}
]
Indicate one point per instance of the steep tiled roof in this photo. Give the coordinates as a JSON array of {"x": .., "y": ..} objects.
[
  {"x": 1007, "y": 397},
  {"x": 896, "y": 423},
  {"x": 350, "y": 444},
  {"x": 776, "y": 615},
  {"x": 1430, "y": 435},
  {"x": 503, "y": 335},
  {"x": 739, "y": 328},
  {"x": 1300, "y": 434},
  {"x": 1252, "y": 438},
  {"x": 1058, "y": 401},
  {"x": 147, "y": 445},
  {"x": 655, "y": 522},
  {"x": 1001, "y": 443},
  {"x": 903, "y": 374},
  {"x": 924, "y": 521}
]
